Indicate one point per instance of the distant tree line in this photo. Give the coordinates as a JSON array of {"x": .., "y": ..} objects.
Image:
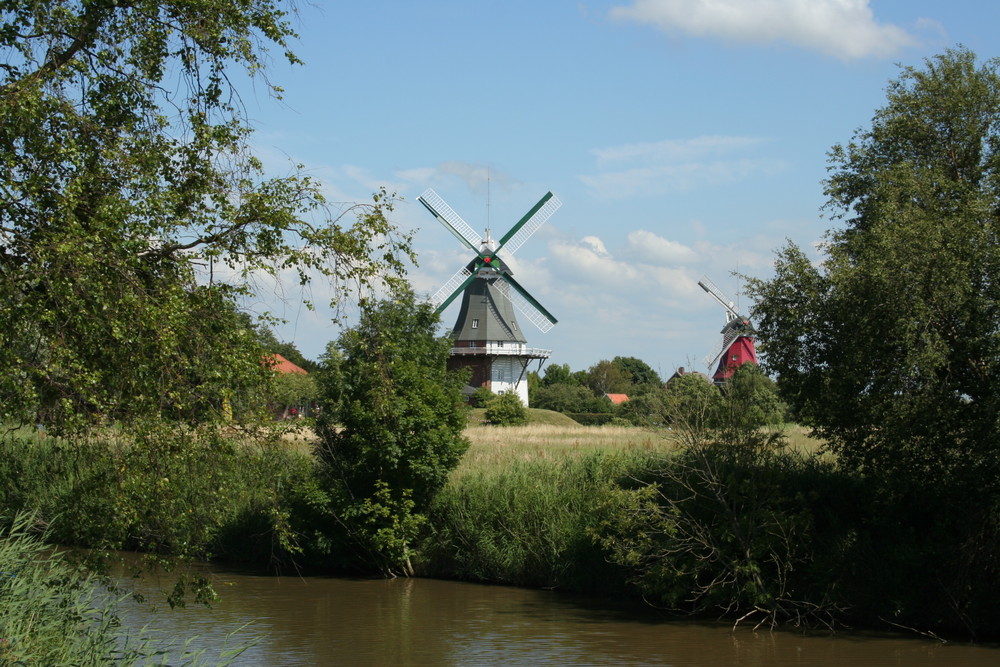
[{"x": 652, "y": 402}]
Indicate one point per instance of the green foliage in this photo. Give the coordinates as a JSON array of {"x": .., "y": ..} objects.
[
  {"x": 648, "y": 409},
  {"x": 558, "y": 374},
  {"x": 715, "y": 530},
  {"x": 638, "y": 373},
  {"x": 390, "y": 427},
  {"x": 173, "y": 491},
  {"x": 605, "y": 377},
  {"x": 889, "y": 348},
  {"x": 529, "y": 525},
  {"x": 564, "y": 398},
  {"x": 692, "y": 402},
  {"x": 481, "y": 397},
  {"x": 506, "y": 410},
  {"x": 55, "y": 613},
  {"x": 293, "y": 389},
  {"x": 749, "y": 406},
  {"x": 125, "y": 177}
]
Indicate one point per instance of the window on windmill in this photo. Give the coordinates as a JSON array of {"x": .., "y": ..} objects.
[
  {"x": 475, "y": 324},
  {"x": 513, "y": 325}
]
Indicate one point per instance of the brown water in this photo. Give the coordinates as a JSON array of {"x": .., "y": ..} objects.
[{"x": 328, "y": 621}]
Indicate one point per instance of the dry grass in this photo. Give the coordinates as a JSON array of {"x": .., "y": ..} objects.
[
  {"x": 493, "y": 447},
  {"x": 800, "y": 441},
  {"x": 553, "y": 437}
]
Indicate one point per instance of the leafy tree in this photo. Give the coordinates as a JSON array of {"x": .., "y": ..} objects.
[
  {"x": 638, "y": 373},
  {"x": 506, "y": 409},
  {"x": 133, "y": 216},
  {"x": 390, "y": 428},
  {"x": 564, "y": 398},
  {"x": 481, "y": 396},
  {"x": 749, "y": 410},
  {"x": 289, "y": 390},
  {"x": 648, "y": 409},
  {"x": 605, "y": 377},
  {"x": 692, "y": 402},
  {"x": 558, "y": 374},
  {"x": 890, "y": 347}
]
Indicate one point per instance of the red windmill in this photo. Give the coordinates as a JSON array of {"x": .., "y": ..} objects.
[{"x": 737, "y": 346}]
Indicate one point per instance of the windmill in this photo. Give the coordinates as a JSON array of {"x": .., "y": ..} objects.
[
  {"x": 737, "y": 346},
  {"x": 486, "y": 336}
]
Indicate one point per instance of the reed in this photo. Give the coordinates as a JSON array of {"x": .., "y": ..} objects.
[
  {"x": 530, "y": 523},
  {"x": 55, "y": 613}
]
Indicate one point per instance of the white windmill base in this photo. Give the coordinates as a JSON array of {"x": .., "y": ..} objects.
[{"x": 501, "y": 367}]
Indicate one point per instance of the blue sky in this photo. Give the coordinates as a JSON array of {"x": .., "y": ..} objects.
[{"x": 684, "y": 138}]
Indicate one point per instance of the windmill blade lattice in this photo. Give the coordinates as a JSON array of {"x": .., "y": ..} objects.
[
  {"x": 453, "y": 221},
  {"x": 717, "y": 294},
  {"x": 727, "y": 340},
  {"x": 450, "y": 288},
  {"x": 530, "y": 223},
  {"x": 486, "y": 265},
  {"x": 534, "y": 315}
]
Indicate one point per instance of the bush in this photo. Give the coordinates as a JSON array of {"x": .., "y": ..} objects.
[
  {"x": 167, "y": 490},
  {"x": 480, "y": 397},
  {"x": 506, "y": 410},
  {"x": 529, "y": 525},
  {"x": 390, "y": 432}
]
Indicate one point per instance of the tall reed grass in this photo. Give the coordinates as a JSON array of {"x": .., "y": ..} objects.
[
  {"x": 528, "y": 523},
  {"x": 55, "y": 613},
  {"x": 165, "y": 490}
]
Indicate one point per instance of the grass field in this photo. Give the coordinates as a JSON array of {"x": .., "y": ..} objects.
[
  {"x": 550, "y": 436},
  {"x": 554, "y": 436}
]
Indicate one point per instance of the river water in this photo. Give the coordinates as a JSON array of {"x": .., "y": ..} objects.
[{"x": 335, "y": 621}]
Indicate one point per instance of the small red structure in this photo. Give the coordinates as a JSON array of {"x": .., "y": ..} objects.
[{"x": 617, "y": 399}]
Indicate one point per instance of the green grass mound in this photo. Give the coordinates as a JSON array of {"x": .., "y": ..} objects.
[{"x": 535, "y": 416}]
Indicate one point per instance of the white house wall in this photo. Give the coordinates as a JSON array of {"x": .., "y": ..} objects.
[{"x": 504, "y": 378}]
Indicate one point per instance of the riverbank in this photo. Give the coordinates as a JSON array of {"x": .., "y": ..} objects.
[{"x": 773, "y": 537}]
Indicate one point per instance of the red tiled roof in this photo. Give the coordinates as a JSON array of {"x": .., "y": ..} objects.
[
  {"x": 281, "y": 365},
  {"x": 617, "y": 399}
]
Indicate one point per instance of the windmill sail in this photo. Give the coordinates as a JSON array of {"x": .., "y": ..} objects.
[
  {"x": 717, "y": 294},
  {"x": 527, "y": 306},
  {"x": 530, "y": 223},
  {"x": 450, "y": 289},
  {"x": 737, "y": 346},
  {"x": 487, "y": 265},
  {"x": 451, "y": 220}
]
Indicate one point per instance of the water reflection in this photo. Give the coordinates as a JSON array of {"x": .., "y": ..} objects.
[{"x": 328, "y": 621}]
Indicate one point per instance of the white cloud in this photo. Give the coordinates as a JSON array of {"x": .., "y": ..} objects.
[
  {"x": 417, "y": 175},
  {"x": 846, "y": 29},
  {"x": 595, "y": 244},
  {"x": 673, "y": 150},
  {"x": 655, "y": 249},
  {"x": 661, "y": 179}
]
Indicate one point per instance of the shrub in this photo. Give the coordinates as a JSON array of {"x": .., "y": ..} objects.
[
  {"x": 390, "y": 432},
  {"x": 529, "y": 525},
  {"x": 506, "y": 410}
]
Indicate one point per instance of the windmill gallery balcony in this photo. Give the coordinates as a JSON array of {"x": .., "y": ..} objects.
[{"x": 501, "y": 349}]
